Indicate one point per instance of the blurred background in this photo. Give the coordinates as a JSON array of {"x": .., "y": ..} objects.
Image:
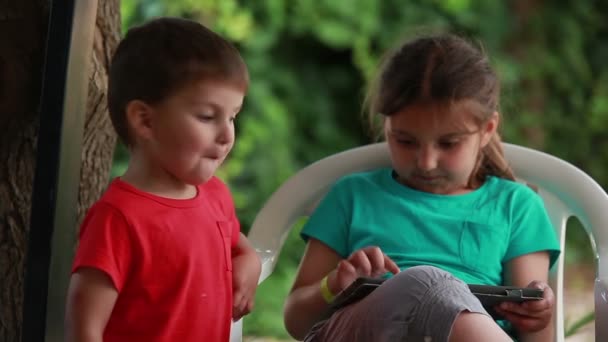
[{"x": 309, "y": 62}]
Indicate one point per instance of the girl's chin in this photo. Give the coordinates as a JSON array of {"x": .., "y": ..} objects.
[
  {"x": 430, "y": 189},
  {"x": 438, "y": 189}
]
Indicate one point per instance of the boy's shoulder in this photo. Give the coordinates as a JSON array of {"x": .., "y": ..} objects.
[
  {"x": 123, "y": 198},
  {"x": 120, "y": 196},
  {"x": 118, "y": 191},
  {"x": 215, "y": 187},
  {"x": 218, "y": 195},
  {"x": 214, "y": 184}
]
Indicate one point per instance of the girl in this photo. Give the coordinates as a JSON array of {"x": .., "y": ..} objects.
[{"x": 446, "y": 214}]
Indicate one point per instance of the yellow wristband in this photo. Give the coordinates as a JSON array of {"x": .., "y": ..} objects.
[{"x": 326, "y": 292}]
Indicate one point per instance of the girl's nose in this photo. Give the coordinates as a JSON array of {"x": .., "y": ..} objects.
[{"x": 426, "y": 158}]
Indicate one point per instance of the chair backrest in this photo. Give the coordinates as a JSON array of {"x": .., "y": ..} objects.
[{"x": 566, "y": 190}]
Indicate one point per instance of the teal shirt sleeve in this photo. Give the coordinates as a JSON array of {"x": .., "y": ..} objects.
[
  {"x": 330, "y": 221},
  {"x": 531, "y": 228}
]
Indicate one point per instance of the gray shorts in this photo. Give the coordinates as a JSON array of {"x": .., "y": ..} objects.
[{"x": 418, "y": 304}]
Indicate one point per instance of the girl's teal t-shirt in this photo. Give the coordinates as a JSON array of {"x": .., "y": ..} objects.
[{"x": 470, "y": 235}]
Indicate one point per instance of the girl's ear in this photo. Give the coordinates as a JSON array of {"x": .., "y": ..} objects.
[
  {"x": 139, "y": 119},
  {"x": 489, "y": 129}
]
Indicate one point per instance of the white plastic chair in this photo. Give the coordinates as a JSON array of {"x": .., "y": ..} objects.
[{"x": 566, "y": 190}]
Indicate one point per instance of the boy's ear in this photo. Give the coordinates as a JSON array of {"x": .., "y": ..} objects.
[
  {"x": 489, "y": 129},
  {"x": 139, "y": 119}
]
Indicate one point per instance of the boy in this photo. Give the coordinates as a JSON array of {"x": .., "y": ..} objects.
[{"x": 161, "y": 256}]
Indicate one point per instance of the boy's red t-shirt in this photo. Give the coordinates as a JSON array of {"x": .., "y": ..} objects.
[{"x": 170, "y": 261}]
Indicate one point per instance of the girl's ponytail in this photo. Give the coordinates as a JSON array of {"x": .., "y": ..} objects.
[{"x": 492, "y": 162}]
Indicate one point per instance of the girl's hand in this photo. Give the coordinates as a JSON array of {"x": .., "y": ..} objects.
[
  {"x": 365, "y": 262},
  {"x": 530, "y": 316}
]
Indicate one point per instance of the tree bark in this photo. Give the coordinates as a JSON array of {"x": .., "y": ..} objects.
[
  {"x": 99, "y": 137},
  {"x": 23, "y": 30}
]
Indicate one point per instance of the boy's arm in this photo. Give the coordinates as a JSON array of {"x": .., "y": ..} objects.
[
  {"x": 533, "y": 320},
  {"x": 246, "y": 268},
  {"x": 91, "y": 298}
]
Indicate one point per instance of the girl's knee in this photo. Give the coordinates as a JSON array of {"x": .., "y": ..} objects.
[
  {"x": 424, "y": 274},
  {"x": 413, "y": 284}
]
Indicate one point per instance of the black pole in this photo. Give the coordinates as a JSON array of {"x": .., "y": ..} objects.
[{"x": 57, "y": 173}]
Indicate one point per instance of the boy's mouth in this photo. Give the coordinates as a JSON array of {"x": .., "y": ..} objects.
[
  {"x": 216, "y": 155},
  {"x": 213, "y": 157}
]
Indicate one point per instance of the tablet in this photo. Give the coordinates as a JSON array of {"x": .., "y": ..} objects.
[
  {"x": 356, "y": 291},
  {"x": 489, "y": 295}
]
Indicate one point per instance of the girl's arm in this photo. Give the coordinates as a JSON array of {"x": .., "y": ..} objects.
[
  {"x": 533, "y": 320},
  {"x": 91, "y": 298},
  {"x": 305, "y": 304}
]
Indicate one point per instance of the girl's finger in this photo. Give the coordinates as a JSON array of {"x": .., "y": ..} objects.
[
  {"x": 390, "y": 265},
  {"x": 522, "y": 310},
  {"x": 537, "y": 305},
  {"x": 346, "y": 268},
  {"x": 345, "y": 275},
  {"x": 361, "y": 261},
  {"x": 376, "y": 258},
  {"x": 526, "y": 324}
]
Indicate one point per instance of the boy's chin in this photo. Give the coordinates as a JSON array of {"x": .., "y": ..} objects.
[
  {"x": 197, "y": 179},
  {"x": 200, "y": 176},
  {"x": 200, "y": 180}
]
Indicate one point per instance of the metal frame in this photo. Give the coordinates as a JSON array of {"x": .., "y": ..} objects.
[{"x": 57, "y": 175}]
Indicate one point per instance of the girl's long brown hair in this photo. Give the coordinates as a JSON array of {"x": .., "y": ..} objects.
[{"x": 442, "y": 69}]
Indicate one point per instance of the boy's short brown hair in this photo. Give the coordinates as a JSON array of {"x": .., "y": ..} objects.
[{"x": 158, "y": 58}]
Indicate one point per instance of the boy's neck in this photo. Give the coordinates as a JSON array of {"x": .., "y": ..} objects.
[{"x": 149, "y": 178}]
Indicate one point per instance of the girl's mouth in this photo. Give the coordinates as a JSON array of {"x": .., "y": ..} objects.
[{"x": 433, "y": 180}]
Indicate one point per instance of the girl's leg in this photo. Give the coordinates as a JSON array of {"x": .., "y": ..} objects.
[
  {"x": 470, "y": 326},
  {"x": 422, "y": 303}
]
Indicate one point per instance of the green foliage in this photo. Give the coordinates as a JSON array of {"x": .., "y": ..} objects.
[
  {"x": 573, "y": 328},
  {"x": 309, "y": 61}
]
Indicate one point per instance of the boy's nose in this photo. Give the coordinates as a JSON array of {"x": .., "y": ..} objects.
[
  {"x": 426, "y": 159},
  {"x": 226, "y": 133}
]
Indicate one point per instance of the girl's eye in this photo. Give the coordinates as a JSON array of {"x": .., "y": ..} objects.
[{"x": 448, "y": 144}]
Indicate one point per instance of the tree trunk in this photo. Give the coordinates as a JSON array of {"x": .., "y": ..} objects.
[
  {"x": 23, "y": 29},
  {"x": 99, "y": 137}
]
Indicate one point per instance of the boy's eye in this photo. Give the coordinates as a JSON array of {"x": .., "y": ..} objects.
[
  {"x": 205, "y": 117},
  {"x": 405, "y": 142}
]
